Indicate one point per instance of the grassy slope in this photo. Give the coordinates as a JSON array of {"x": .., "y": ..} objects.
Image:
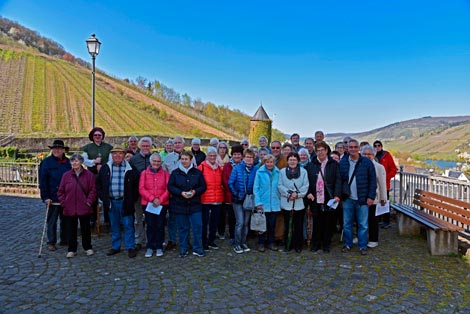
[{"x": 44, "y": 96}]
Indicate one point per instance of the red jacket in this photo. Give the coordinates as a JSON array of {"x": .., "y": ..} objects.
[
  {"x": 154, "y": 185},
  {"x": 74, "y": 200},
  {"x": 226, "y": 172},
  {"x": 213, "y": 178},
  {"x": 390, "y": 167}
]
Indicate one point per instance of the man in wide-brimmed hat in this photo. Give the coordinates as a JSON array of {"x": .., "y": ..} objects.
[
  {"x": 118, "y": 188},
  {"x": 50, "y": 173}
]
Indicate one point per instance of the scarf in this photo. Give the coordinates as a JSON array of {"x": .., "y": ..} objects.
[
  {"x": 214, "y": 166},
  {"x": 293, "y": 174},
  {"x": 223, "y": 161},
  {"x": 320, "y": 197}
]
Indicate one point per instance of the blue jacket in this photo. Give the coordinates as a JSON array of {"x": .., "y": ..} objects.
[
  {"x": 266, "y": 191},
  {"x": 182, "y": 182},
  {"x": 50, "y": 174},
  {"x": 366, "y": 181},
  {"x": 241, "y": 182}
]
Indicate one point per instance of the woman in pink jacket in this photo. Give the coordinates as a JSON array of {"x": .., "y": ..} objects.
[
  {"x": 155, "y": 199},
  {"x": 77, "y": 194}
]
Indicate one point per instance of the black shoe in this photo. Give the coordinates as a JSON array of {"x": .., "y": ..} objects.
[
  {"x": 315, "y": 249},
  {"x": 363, "y": 251},
  {"x": 326, "y": 250},
  {"x": 345, "y": 249},
  {"x": 131, "y": 253},
  {"x": 298, "y": 250},
  {"x": 63, "y": 243},
  {"x": 170, "y": 246},
  {"x": 112, "y": 252},
  {"x": 138, "y": 247}
]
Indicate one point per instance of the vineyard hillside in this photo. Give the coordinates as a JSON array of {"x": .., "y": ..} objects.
[{"x": 45, "y": 96}]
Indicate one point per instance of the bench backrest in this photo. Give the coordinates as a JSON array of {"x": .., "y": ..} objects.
[{"x": 443, "y": 207}]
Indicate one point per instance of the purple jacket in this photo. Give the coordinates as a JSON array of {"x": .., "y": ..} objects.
[{"x": 73, "y": 199}]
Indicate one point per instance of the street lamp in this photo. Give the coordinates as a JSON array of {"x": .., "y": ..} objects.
[{"x": 93, "y": 45}]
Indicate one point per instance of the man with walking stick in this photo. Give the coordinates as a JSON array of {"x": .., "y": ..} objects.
[{"x": 50, "y": 173}]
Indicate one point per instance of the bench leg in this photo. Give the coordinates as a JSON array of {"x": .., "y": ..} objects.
[
  {"x": 407, "y": 225},
  {"x": 442, "y": 242}
]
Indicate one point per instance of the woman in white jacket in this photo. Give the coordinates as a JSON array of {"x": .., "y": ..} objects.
[
  {"x": 293, "y": 186},
  {"x": 369, "y": 152}
]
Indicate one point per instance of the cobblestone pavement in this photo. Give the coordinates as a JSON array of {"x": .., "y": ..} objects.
[{"x": 399, "y": 276}]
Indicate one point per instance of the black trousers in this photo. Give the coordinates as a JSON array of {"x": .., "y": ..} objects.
[
  {"x": 373, "y": 225},
  {"x": 72, "y": 227},
  {"x": 322, "y": 230},
  {"x": 297, "y": 228},
  {"x": 226, "y": 215}
]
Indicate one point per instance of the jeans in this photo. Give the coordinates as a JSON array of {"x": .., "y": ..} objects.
[
  {"x": 171, "y": 227},
  {"x": 270, "y": 226},
  {"x": 242, "y": 222},
  {"x": 139, "y": 223},
  {"x": 184, "y": 223},
  {"x": 353, "y": 210},
  {"x": 210, "y": 220},
  {"x": 373, "y": 221},
  {"x": 72, "y": 225},
  {"x": 155, "y": 228},
  {"x": 116, "y": 219},
  {"x": 55, "y": 212}
]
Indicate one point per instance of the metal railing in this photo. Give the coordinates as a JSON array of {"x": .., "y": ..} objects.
[{"x": 19, "y": 174}]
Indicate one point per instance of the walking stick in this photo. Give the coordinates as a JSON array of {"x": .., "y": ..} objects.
[
  {"x": 43, "y": 230},
  {"x": 289, "y": 235},
  {"x": 309, "y": 225}
]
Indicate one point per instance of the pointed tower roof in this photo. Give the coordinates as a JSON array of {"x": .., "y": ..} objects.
[{"x": 260, "y": 115}]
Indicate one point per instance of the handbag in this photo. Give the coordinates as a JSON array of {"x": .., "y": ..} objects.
[
  {"x": 249, "y": 202},
  {"x": 258, "y": 221}
]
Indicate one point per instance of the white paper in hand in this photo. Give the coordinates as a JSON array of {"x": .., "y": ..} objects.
[
  {"x": 331, "y": 203},
  {"x": 380, "y": 210},
  {"x": 152, "y": 209}
]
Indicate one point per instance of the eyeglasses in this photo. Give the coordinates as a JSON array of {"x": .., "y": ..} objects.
[
  {"x": 377, "y": 145},
  {"x": 354, "y": 146},
  {"x": 245, "y": 144},
  {"x": 275, "y": 147},
  {"x": 97, "y": 135}
]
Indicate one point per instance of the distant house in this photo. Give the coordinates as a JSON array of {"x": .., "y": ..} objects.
[{"x": 458, "y": 175}]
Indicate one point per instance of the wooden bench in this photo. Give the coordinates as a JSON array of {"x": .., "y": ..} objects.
[{"x": 442, "y": 216}]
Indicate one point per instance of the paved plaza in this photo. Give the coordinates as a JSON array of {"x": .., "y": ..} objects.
[{"x": 399, "y": 276}]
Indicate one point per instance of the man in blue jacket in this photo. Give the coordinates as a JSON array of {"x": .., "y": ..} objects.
[
  {"x": 50, "y": 173},
  {"x": 357, "y": 173}
]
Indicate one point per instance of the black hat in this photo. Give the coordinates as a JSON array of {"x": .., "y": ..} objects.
[
  {"x": 237, "y": 149},
  {"x": 58, "y": 144}
]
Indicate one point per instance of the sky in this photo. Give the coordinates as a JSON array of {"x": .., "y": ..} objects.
[{"x": 337, "y": 66}]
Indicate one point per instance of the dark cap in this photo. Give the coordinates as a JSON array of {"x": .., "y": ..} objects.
[{"x": 58, "y": 144}]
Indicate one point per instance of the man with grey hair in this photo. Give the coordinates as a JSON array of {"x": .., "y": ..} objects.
[
  {"x": 133, "y": 144},
  {"x": 196, "y": 150},
  {"x": 172, "y": 162},
  {"x": 140, "y": 162},
  {"x": 214, "y": 142},
  {"x": 359, "y": 190}
]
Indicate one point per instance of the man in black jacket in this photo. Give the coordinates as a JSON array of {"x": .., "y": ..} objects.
[{"x": 118, "y": 188}]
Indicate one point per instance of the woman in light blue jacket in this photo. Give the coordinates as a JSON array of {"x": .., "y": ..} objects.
[{"x": 267, "y": 199}]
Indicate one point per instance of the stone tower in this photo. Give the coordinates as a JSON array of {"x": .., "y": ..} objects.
[{"x": 260, "y": 124}]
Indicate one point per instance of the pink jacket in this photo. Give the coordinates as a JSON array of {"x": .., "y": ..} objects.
[
  {"x": 74, "y": 200},
  {"x": 154, "y": 185}
]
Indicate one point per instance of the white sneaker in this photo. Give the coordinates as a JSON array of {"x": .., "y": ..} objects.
[
  {"x": 149, "y": 253},
  {"x": 373, "y": 244},
  {"x": 89, "y": 252},
  {"x": 355, "y": 241},
  {"x": 159, "y": 252},
  {"x": 245, "y": 248},
  {"x": 71, "y": 254}
]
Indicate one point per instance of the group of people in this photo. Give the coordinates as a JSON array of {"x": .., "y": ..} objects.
[{"x": 303, "y": 191}]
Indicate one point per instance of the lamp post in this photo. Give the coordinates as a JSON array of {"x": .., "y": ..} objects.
[{"x": 93, "y": 45}]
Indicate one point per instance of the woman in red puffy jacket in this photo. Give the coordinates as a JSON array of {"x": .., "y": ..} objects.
[
  {"x": 154, "y": 200},
  {"x": 212, "y": 198}
]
